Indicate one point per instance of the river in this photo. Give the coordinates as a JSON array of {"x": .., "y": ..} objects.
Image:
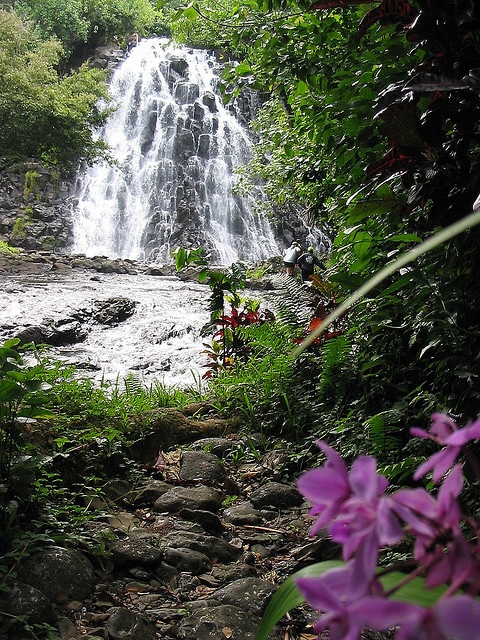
[{"x": 160, "y": 341}]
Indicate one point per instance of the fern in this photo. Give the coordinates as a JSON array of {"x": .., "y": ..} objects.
[
  {"x": 383, "y": 436},
  {"x": 293, "y": 302},
  {"x": 336, "y": 361}
]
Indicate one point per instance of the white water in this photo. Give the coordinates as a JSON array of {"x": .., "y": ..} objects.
[
  {"x": 177, "y": 148},
  {"x": 160, "y": 342}
]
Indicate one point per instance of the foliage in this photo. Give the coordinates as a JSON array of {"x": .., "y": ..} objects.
[
  {"x": 201, "y": 24},
  {"x": 228, "y": 347},
  {"x": 76, "y": 24},
  {"x": 41, "y": 115},
  {"x": 5, "y": 248},
  {"x": 20, "y": 387},
  {"x": 89, "y": 431}
]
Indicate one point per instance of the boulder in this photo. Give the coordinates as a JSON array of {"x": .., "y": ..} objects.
[{"x": 58, "y": 573}]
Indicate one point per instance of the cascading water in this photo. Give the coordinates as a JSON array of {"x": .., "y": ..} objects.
[{"x": 177, "y": 148}]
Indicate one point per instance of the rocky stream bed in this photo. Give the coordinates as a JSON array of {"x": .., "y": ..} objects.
[{"x": 194, "y": 548}]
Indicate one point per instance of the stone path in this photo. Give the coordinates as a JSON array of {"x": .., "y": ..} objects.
[{"x": 195, "y": 551}]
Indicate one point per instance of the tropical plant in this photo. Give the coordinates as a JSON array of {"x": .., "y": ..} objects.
[
  {"x": 228, "y": 346},
  {"x": 20, "y": 388}
]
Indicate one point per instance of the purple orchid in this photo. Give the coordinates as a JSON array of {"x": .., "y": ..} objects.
[
  {"x": 455, "y": 618},
  {"x": 446, "y": 433},
  {"x": 357, "y": 513},
  {"x": 337, "y": 595},
  {"x": 436, "y": 525},
  {"x": 353, "y": 506},
  {"x": 346, "y": 609},
  {"x": 326, "y": 488}
]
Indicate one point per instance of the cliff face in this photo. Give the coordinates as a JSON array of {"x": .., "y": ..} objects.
[
  {"x": 36, "y": 203},
  {"x": 35, "y": 207}
]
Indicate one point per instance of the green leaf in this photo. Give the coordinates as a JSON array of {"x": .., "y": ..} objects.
[
  {"x": 414, "y": 591},
  {"x": 406, "y": 237},
  {"x": 288, "y": 597},
  {"x": 9, "y": 391}
]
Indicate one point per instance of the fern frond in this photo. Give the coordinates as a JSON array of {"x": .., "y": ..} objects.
[
  {"x": 293, "y": 302},
  {"x": 133, "y": 384},
  {"x": 336, "y": 360}
]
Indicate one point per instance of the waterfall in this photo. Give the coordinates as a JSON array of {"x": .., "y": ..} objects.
[{"x": 176, "y": 150}]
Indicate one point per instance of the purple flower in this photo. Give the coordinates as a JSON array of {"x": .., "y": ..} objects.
[
  {"x": 347, "y": 608},
  {"x": 326, "y": 488},
  {"x": 444, "y": 432},
  {"x": 336, "y": 596},
  {"x": 353, "y": 506},
  {"x": 436, "y": 525},
  {"x": 455, "y": 618}
]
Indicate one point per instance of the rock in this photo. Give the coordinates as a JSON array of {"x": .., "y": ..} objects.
[
  {"x": 171, "y": 428},
  {"x": 217, "y": 549},
  {"x": 187, "y": 560},
  {"x": 178, "y": 498},
  {"x": 128, "y": 625},
  {"x": 206, "y": 519},
  {"x": 201, "y": 466},
  {"x": 117, "y": 490},
  {"x": 230, "y": 573},
  {"x": 243, "y": 513},
  {"x": 113, "y": 310},
  {"x": 151, "y": 492},
  {"x": 132, "y": 552},
  {"x": 219, "y": 623},
  {"x": 60, "y": 333},
  {"x": 276, "y": 494},
  {"x": 219, "y": 446},
  {"x": 58, "y": 573},
  {"x": 251, "y": 594},
  {"x": 26, "y": 600}
]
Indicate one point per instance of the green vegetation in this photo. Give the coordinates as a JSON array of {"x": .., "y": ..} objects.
[
  {"x": 372, "y": 129},
  {"x": 42, "y": 115}
]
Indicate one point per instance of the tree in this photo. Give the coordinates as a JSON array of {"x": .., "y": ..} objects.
[
  {"x": 77, "y": 23},
  {"x": 41, "y": 115}
]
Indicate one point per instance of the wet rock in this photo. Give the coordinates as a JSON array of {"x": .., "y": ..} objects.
[
  {"x": 56, "y": 334},
  {"x": 178, "y": 498},
  {"x": 206, "y": 519},
  {"x": 229, "y": 573},
  {"x": 201, "y": 466},
  {"x": 151, "y": 492},
  {"x": 217, "y": 549},
  {"x": 251, "y": 594},
  {"x": 243, "y": 513},
  {"x": 276, "y": 494},
  {"x": 218, "y": 623},
  {"x": 219, "y": 446},
  {"x": 114, "y": 310},
  {"x": 170, "y": 427},
  {"x": 187, "y": 560},
  {"x": 118, "y": 490},
  {"x": 128, "y": 625},
  {"x": 59, "y": 574}
]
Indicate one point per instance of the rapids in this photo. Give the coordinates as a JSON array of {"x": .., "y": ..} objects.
[{"x": 160, "y": 341}]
